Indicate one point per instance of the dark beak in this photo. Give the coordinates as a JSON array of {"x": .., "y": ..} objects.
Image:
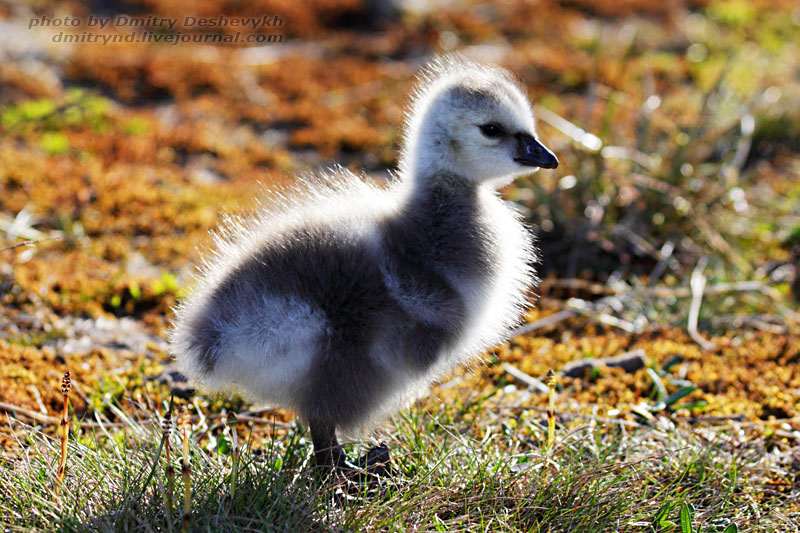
[{"x": 532, "y": 153}]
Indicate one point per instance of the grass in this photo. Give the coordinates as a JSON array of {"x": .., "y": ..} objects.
[{"x": 455, "y": 473}]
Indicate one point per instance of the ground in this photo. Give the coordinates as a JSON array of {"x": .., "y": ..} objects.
[{"x": 677, "y": 129}]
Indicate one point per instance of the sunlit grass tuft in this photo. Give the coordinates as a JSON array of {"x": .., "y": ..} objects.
[{"x": 453, "y": 473}]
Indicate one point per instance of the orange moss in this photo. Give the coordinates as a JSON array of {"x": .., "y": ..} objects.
[
  {"x": 23, "y": 368},
  {"x": 753, "y": 375}
]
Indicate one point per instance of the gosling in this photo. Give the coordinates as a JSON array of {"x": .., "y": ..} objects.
[{"x": 339, "y": 299}]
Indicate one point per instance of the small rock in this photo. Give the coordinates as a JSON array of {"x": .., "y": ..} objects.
[{"x": 629, "y": 361}]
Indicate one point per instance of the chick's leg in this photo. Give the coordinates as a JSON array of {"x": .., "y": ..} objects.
[{"x": 327, "y": 451}]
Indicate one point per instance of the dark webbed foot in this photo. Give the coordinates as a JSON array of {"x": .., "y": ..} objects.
[
  {"x": 329, "y": 455},
  {"x": 372, "y": 468},
  {"x": 376, "y": 462}
]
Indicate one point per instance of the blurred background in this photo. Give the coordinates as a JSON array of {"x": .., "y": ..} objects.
[{"x": 677, "y": 125}]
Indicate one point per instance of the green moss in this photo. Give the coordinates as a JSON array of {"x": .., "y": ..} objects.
[
  {"x": 733, "y": 12},
  {"x": 54, "y": 143},
  {"x": 30, "y": 110},
  {"x": 136, "y": 126}
]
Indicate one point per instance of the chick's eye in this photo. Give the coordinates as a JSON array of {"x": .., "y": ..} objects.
[{"x": 492, "y": 130}]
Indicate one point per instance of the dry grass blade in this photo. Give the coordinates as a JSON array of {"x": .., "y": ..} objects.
[
  {"x": 698, "y": 285},
  {"x": 588, "y": 140},
  {"x": 20, "y": 226},
  {"x": 530, "y": 381},
  {"x": 31, "y": 243},
  {"x": 585, "y": 308},
  {"x": 39, "y": 417},
  {"x": 544, "y": 322}
]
